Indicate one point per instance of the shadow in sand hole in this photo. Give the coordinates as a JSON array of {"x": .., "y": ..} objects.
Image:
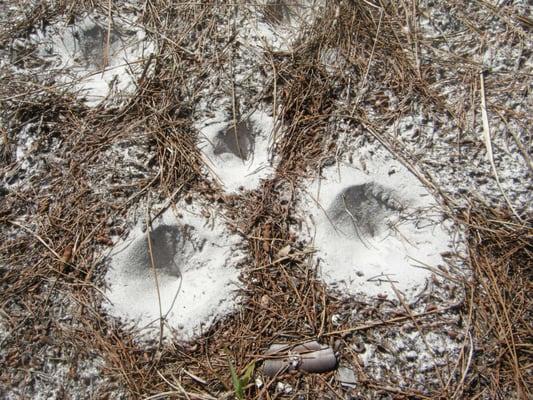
[
  {"x": 277, "y": 11},
  {"x": 239, "y": 142},
  {"x": 168, "y": 242},
  {"x": 361, "y": 209},
  {"x": 92, "y": 42}
]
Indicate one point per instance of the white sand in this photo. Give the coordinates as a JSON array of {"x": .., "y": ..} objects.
[
  {"x": 388, "y": 236},
  {"x": 228, "y": 167},
  {"x": 83, "y": 58},
  {"x": 194, "y": 271},
  {"x": 279, "y": 26}
]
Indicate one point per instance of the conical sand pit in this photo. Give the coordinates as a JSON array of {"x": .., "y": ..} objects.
[
  {"x": 179, "y": 271},
  {"x": 374, "y": 230},
  {"x": 238, "y": 141},
  {"x": 362, "y": 209},
  {"x": 280, "y": 22},
  {"x": 237, "y": 154},
  {"x": 98, "y": 59},
  {"x": 168, "y": 243}
]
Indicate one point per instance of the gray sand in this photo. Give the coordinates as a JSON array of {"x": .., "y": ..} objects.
[
  {"x": 168, "y": 243},
  {"x": 363, "y": 207},
  {"x": 240, "y": 144}
]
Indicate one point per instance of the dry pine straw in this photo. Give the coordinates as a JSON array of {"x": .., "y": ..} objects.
[{"x": 53, "y": 257}]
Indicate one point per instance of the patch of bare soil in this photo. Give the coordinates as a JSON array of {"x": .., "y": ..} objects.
[{"x": 444, "y": 89}]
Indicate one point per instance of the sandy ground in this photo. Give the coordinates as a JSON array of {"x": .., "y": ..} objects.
[{"x": 370, "y": 217}]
